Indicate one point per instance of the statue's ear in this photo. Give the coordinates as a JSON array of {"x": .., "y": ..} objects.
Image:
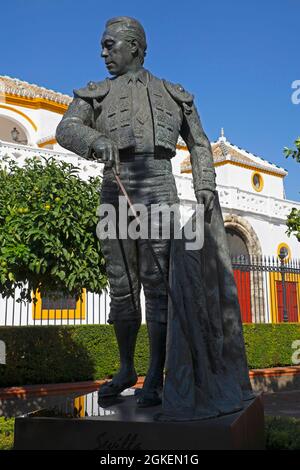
[{"x": 134, "y": 46}]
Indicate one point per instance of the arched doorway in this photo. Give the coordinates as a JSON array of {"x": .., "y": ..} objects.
[
  {"x": 245, "y": 249},
  {"x": 236, "y": 243},
  {"x": 238, "y": 251}
]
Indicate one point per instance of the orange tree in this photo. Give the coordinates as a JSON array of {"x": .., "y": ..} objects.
[
  {"x": 294, "y": 153},
  {"x": 293, "y": 220},
  {"x": 48, "y": 225}
]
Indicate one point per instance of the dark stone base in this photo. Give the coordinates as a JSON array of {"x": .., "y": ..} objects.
[{"x": 130, "y": 428}]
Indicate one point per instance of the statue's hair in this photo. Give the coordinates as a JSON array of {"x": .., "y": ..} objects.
[{"x": 132, "y": 29}]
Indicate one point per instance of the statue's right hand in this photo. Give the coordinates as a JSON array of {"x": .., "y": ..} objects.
[{"x": 105, "y": 151}]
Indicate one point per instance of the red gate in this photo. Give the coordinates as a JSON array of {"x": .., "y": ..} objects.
[
  {"x": 242, "y": 280},
  {"x": 291, "y": 300}
]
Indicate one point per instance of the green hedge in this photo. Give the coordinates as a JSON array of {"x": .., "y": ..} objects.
[
  {"x": 282, "y": 433},
  {"x": 6, "y": 433},
  {"x": 270, "y": 345},
  {"x": 53, "y": 354}
]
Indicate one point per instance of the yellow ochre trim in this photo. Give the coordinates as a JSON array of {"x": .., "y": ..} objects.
[
  {"x": 35, "y": 103},
  {"x": 242, "y": 165},
  {"x": 248, "y": 167},
  {"x": 261, "y": 181},
  {"x": 289, "y": 277},
  {"x": 47, "y": 142},
  {"x": 80, "y": 406},
  {"x": 66, "y": 314},
  {"x": 21, "y": 114},
  {"x": 181, "y": 147}
]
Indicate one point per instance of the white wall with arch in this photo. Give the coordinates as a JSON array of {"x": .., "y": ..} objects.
[{"x": 10, "y": 118}]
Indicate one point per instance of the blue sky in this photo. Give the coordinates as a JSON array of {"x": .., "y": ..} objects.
[{"x": 238, "y": 58}]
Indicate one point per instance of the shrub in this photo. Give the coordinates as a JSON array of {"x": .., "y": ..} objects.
[
  {"x": 6, "y": 433},
  {"x": 270, "y": 345},
  {"x": 282, "y": 433},
  {"x": 48, "y": 225},
  {"x": 52, "y": 354}
]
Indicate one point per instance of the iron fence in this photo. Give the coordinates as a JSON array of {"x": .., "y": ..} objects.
[
  {"x": 268, "y": 288},
  {"x": 268, "y": 291}
]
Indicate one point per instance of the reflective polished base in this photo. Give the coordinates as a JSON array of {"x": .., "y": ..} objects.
[{"x": 118, "y": 424}]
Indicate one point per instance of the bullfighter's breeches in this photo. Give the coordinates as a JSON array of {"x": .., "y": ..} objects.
[{"x": 148, "y": 180}]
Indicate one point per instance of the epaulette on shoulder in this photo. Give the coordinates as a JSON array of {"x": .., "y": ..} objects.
[
  {"x": 178, "y": 92},
  {"x": 94, "y": 90}
]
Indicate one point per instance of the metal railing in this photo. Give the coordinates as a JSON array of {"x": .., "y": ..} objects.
[
  {"x": 268, "y": 288},
  {"x": 92, "y": 309},
  {"x": 268, "y": 291}
]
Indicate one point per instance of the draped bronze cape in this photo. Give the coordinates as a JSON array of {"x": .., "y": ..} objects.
[{"x": 206, "y": 367}]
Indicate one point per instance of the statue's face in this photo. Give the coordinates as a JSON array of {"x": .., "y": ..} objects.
[{"x": 116, "y": 52}]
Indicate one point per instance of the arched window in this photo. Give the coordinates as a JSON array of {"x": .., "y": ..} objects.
[{"x": 11, "y": 131}]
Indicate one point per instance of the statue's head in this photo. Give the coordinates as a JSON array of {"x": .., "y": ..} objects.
[{"x": 123, "y": 44}]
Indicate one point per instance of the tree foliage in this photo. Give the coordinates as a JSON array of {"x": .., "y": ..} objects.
[
  {"x": 294, "y": 153},
  {"x": 293, "y": 223},
  {"x": 48, "y": 225},
  {"x": 293, "y": 220}
]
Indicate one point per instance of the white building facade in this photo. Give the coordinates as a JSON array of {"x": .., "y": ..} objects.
[{"x": 251, "y": 192}]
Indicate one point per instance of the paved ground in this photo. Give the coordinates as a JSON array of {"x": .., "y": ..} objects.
[{"x": 282, "y": 404}]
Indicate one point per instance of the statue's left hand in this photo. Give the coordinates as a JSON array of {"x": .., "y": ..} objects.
[{"x": 206, "y": 197}]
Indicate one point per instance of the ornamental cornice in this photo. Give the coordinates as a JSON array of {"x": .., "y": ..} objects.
[{"x": 16, "y": 87}]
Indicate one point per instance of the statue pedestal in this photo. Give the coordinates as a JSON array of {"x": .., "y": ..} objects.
[{"x": 120, "y": 425}]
